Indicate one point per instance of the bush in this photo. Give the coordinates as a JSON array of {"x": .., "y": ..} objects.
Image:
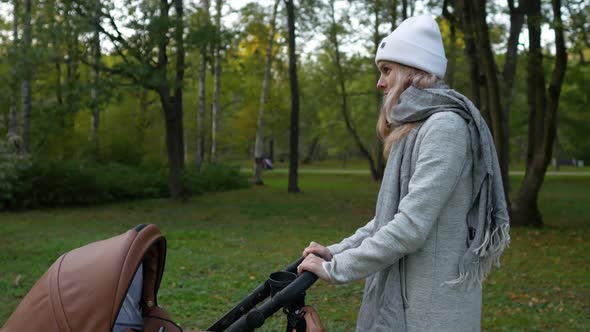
[
  {"x": 11, "y": 164},
  {"x": 218, "y": 177},
  {"x": 52, "y": 184}
]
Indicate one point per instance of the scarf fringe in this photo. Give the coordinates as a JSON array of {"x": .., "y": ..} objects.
[{"x": 486, "y": 255}]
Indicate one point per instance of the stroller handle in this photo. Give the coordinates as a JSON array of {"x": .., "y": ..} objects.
[
  {"x": 256, "y": 317},
  {"x": 251, "y": 300}
]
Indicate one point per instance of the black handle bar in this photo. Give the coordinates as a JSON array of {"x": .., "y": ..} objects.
[
  {"x": 251, "y": 300},
  {"x": 256, "y": 317}
]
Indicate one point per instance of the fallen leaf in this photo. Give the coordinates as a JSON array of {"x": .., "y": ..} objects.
[{"x": 18, "y": 280}]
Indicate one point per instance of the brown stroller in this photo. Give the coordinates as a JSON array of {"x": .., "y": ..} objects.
[
  {"x": 85, "y": 288},
  {"x": 89, "y": 288}
]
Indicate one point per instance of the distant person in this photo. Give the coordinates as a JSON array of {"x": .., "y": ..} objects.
[
  {"x": 267, "y": 162},
  {"x": 441, "y": 219}
]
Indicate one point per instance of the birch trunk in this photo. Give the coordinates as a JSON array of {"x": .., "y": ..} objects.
[
  {"x": 26, "y": 85},
  {"x": 95, "y": 138},
  {"x": 216, "y": 82},
  {"x": 200, "y": 153},
  {"x": 293, "y": 186},
  {"x": 344, "y": 98},
  {"x": 13, "y": 109},
  {"x": 259, "y": 141}
]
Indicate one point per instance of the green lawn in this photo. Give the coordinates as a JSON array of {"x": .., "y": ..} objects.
[{"x": 221, "y": 245}]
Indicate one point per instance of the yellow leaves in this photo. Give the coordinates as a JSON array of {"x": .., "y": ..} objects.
[
  {"x": 549, "y": 301},
  {"x": 252, "y": 45},
  {"x": 445, "y": 30}
]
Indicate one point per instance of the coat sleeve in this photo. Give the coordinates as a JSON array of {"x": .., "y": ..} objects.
[
  {"x": 354, "y": 240},
  {"x": 441, "y": 157}
]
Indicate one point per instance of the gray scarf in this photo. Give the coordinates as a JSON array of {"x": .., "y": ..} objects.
[{"x": 487, "y": 219}]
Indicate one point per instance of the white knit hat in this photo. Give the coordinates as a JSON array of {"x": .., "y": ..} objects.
[{"x": 417, "y": 43}]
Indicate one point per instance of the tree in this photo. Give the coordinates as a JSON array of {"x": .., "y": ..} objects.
[
  {"x": 13, "y": 112},
  {"x": 95, "y": 105},
  {"x": 200, "y": 153},
  {"x": 144, "y": 60},
  {"x": 484, "y": 74},
  {"x": 333, "y": 36},
  {"x": 259, "y": 140},
  {"x": 293, "y": 186},
  {"x": 578, "y": 35},
  {"x": 452, "y": 54},
  {"x": 27, "y": 76},
  {"x": 543, "y": 103},
  {"x": 377, "y": 13},
  {"x": 217, "y": 80}
]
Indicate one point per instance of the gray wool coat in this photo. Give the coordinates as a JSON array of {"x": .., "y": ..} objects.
[{"x": 406, "y": 257}]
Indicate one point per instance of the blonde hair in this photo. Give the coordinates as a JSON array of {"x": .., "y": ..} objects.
[{"x": 400, "y": 78}]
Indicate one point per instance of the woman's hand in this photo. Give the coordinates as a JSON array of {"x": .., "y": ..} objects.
[
  {"x": 318, "y": 249},
  {"x": 313, "y": 263},
  {"x": 312, "y": 320}
]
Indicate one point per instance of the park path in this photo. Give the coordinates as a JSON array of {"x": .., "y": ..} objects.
[{"x": 362, "y": 172}]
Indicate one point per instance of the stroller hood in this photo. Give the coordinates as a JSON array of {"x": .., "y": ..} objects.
[{"x": 84, "y": 289}]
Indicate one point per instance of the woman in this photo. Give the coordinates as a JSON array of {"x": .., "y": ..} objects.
[{"x": 441, "y": 218}]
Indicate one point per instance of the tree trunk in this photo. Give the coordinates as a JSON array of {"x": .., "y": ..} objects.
[
  {"x": 95, "y": 138},
  {"x": 393, "y": 14},
  {"x": 141, "y": 123},
  {"x": 172, "y": 106},
  {"x": 452, "y": 55},
  {"x": 180, "y": 55},
  {"x": 311, "y": 150},
  {"x": 378, "y": 153},
  {"x": 344, "y": 98},
  {"x": 259, "y": 141},
  {"x": 13, "y": 109},
  {"x": 509, "y": 73},
  {"x": 174, "y": 143},
  {"x": 271, "y": 148},
  {"x": 58, "y": 56},
  {"x": 294, "y": 83},
  {"x": 543, "y": 107},
  {"x": 217, "y": 82},
  {"x": 467, "y": 26},
  {"x": 404, "y": 9},
  {"x": 26, "y": 85},
  {"x": 72, "y": 100},
  {"x": 475, "y": 26},
  {"x": 378, "y": 150},
  {"x": 58, "y": 92},
  {"x": 200, "y": 153}
]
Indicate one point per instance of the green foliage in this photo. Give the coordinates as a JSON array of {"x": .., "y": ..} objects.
[
  {"x": 51, "y": 184},
  {"x": 574, "y": 124},
  {"x": 218, "y": 177},
  {"x": 11, "y": 164}
]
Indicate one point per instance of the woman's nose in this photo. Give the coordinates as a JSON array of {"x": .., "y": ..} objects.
[{"x": 381, "y": 83}]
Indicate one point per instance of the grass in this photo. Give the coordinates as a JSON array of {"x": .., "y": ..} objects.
[{"x": 222, "y": 245}]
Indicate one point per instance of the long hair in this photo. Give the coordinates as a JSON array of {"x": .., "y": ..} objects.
[{"x": 400, "y": 78}]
